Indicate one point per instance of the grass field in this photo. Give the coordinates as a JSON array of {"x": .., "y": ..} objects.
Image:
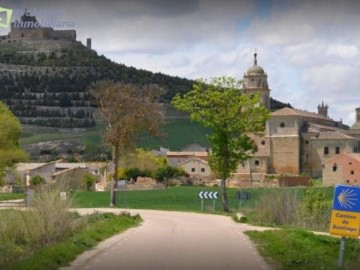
[
  {"x": 183, "y": 198},
  {"x": 297, "y": 249},
  {"x": 11, "y": 196}
]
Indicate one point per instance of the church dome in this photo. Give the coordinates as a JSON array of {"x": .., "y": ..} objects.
[{"x": 255, "y": 69}]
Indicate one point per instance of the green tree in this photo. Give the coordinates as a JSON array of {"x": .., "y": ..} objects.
[
  {"x": 232, "y": 117},
  {"x": 129, "y": 110},
  {"x": 88, "y": 180},
  {"x": 10, "y": 130}
]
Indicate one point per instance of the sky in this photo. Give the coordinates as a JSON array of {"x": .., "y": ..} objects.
[{"x": 309, "y": 49}]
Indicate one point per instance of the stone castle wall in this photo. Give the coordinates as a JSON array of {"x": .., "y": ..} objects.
[{"x": 42, "y": 33}]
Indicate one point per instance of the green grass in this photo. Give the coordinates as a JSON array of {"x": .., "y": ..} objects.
[
  {"x": 101, "y": 226},
  {"x": 11, "y": 196},
  {"x": 173, "y": 199},
  {"x": 297, "y": 249},
  {"x": 183, "y": 198},
  {"x": 178, "y": 133}
]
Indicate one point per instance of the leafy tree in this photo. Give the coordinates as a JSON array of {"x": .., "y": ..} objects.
[
  {"x": 134, "y": 173},
  {"x": 10, "y": 130},
  {"x": 37, "y": 180},
  {"x": 128, "y": 109},
  {"x": 232, "y": 117},
  {"x": 168, "y": 172},
  {"x": 88, "y": 180}
]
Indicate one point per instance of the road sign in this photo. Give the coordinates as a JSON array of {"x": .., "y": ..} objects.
[
  {"x": 345, "y": 216},
  {"x": 347, "y": 198},
  {"x": 208, "y": 195},
  {"x": 243, "y": 195}
]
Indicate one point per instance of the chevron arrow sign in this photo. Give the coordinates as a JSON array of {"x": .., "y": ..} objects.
[{"x": 208, "y": 195}]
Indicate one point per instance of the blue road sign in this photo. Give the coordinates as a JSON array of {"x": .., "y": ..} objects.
[{"x": 347, "y": 198}]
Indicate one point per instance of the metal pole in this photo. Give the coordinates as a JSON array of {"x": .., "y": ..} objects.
[
  {"x": 202, "y": 204},
  {"x": 126, "y": 198},
  {"x": 341, "y": 253},
  {"x": 213, "y": 205}
]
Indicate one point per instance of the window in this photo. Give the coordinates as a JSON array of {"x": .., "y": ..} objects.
[
  {"x": 350, "y": 163},
  {"x": 355, "y": 149},
  {"x": 282, "y": 124},
  {"x": 334, "y": 167},
  {"x": 257, "y": 163},
  {"x": 243, "y": 165},
  {"x": 306, "y": 142},
  {"x": 202, "y": 169},
  {"x": 263, "y": 142},
  {"x": 326, "y": 150},
  {"x": 352, "y": 172},
  {"x": 192, "y": 169},
  {"x": 347, "y": 181},
  {"x": 337, "y": 150}
]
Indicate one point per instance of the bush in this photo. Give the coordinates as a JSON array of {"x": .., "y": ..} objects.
[
  {"x": 49, "y": 220},
  {"x": 37, "y": 180},
  {"x": 315, "y": 212},
  {"x": 168, "y": 172},
  {"x": 134, "y": 173},
  {"x": 88, "y": 180},
  {"x": 278, "y": 207}
]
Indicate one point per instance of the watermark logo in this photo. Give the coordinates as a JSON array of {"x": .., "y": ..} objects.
[{"x": 5, "y": 17}]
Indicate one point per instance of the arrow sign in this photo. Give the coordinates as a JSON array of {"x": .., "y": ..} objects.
[{"x": 208, "y": 195}]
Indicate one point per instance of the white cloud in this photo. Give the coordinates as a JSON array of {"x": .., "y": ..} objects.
[{"x": 344, "y": 51}]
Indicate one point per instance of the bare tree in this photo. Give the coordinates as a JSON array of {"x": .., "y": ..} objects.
[{"x": 128, "y": 109}]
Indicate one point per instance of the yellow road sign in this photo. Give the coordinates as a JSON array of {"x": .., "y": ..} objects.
[{"x": 344, "y": 223}]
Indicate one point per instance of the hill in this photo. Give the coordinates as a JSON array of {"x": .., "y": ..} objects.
[{"x": 44, "y": 82}]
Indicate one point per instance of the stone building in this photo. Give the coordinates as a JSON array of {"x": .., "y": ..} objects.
[
  {"x": 342, "y": 169},
  {"x": 295, "y": 141},
  {"x": 29, "y": 28}
]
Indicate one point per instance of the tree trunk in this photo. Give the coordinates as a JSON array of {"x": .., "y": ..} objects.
[
  {"x": 224, "y": 197},
  {"x": 114, "y": 178}
]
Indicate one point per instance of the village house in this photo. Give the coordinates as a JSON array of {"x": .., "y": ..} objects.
[{"x": 342, "y": 169}]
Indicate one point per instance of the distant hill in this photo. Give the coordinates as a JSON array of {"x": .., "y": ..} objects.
[{"x": 44, "y": 82}]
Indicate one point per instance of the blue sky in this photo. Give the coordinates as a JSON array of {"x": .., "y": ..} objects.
[{"x": 309, "y": 49}]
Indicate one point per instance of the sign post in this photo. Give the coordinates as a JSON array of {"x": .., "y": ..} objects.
[
  {"x": 345, "y": 215},
  {"x": 242, "y": 196},
  {"x": 121, "y": 185},
  {"x": 208, "y": 195}
]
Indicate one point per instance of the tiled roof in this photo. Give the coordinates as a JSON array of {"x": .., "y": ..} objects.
[
  {"x": 295, "y": 112},
  {"x": 181, "y": 154},
  {"x": 355, "y": 156},
  {"x": 193, "y": 159},
  {"x": 333, "y": 136},
  {"x": 316, "y": 128}
]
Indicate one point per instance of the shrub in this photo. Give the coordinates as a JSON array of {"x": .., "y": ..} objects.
[
  {"x": 278, "y": 207},
  {"x": 134, "y": 173},
  {"x": 37, "y": 180},
  {"x": 88, "y": 180},
  {"x": 168, "y": 172},
  {"x": 315, "y": 211}
]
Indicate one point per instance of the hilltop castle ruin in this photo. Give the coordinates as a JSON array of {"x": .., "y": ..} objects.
[{"x": 28, "y": 28}]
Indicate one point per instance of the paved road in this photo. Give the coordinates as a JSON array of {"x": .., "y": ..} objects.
[{"x": 175, "y": 241}]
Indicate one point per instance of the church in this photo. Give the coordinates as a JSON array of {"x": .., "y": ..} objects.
[{"x": 295, "y": 141}]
